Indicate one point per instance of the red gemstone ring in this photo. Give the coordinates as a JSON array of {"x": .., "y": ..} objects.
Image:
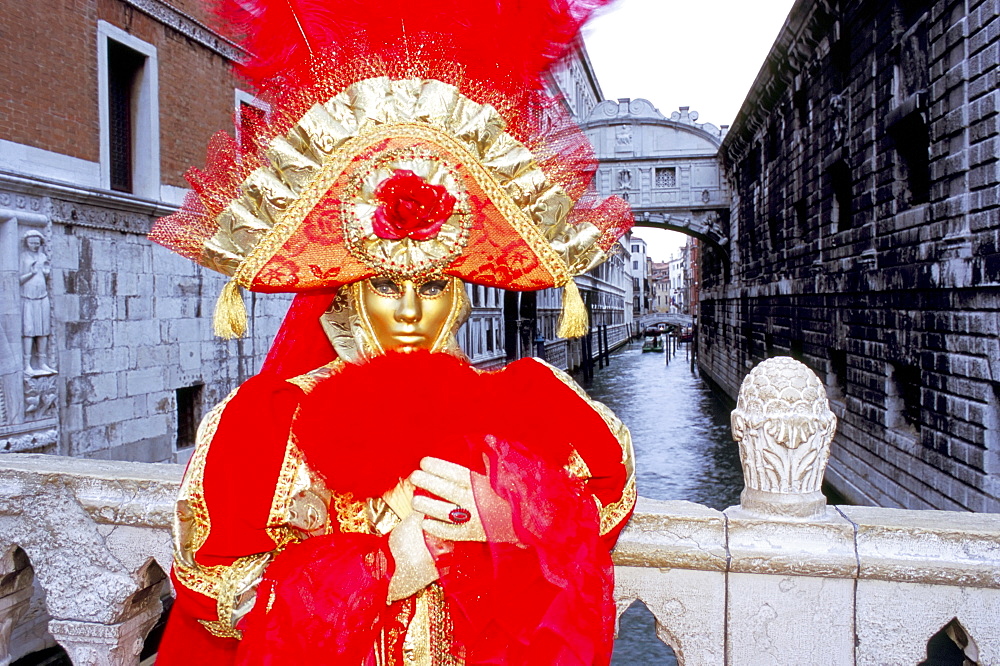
[{"x": 459, "y": 515}]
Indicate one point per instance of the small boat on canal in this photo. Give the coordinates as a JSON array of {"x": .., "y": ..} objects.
[{"x": 652, "y": 343}]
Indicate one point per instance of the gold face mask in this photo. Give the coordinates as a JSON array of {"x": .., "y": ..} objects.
[{"x": 373, "y": 316}]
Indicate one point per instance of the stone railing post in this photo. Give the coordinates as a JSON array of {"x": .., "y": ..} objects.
[
  {"x": 784, "y": 427},
  {"x": 96, "y": 534},
  {"x": 792, "y": 558}
]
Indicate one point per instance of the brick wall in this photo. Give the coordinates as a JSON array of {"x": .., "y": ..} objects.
[
  {"x": 869, "y": 255},
  {"x": 49, "y": 71},
  {"x": 45, "y": 48}
]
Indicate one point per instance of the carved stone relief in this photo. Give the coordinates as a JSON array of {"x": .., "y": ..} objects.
[
  {"x": 39, "y": 397},
  {"x": 22, "y": 202},
  {"x": 29, "y": 441},
  {"x": 97, "y": 217},
  {"x": 9, "y": 369},
  {"x": 36, "y": 308},
  {"x": 28, "y": 379},
  {"x": 623, "y": 137}
]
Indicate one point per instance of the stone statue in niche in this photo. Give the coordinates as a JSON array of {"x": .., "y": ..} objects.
[
  {"x": 35, "y": 306},
  {"x": 625, "y": 180}
]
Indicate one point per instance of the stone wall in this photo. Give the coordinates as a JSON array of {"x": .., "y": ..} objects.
[
  {"x": 130, "y": 355},
  {"x": 865, "y": 241}
]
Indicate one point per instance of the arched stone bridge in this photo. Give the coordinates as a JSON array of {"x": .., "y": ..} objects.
[
  {"x": 667, "y": 168},
  {"x": 675, "y": 319}
]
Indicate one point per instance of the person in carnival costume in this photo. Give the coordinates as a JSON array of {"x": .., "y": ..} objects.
[{"x": 369, "y": 497}]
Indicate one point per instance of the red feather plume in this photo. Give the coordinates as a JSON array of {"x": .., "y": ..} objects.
[{"x": 512, "y": 40}]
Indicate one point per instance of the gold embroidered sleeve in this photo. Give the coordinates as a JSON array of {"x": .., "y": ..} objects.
[
  {"x": 232, "y": 586},
  {"x": 237, "y": 592},
  {"x": 613, "y": 513},
  {"x": 191, "y": 520}
]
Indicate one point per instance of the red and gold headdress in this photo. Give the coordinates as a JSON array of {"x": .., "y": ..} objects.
[{"x": 405, "y": 138}]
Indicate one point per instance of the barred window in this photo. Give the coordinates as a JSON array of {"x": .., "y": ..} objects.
[
  {"x": 124, "y": 68},
  {"x": 666, "y": 177}
]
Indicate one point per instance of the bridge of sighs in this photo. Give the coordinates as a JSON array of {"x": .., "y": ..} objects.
[{"x": 667, "y": 168}]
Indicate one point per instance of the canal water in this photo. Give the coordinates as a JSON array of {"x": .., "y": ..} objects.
[{"x": 684, "y": 451}]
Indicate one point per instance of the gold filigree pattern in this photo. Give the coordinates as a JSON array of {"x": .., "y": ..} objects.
[
  {"x": 300, "y": 507},
  {"x": 237, "y": 591},
  {"x": 309, "y": 380},
  {"x": 352, "y": 514},
  {"x": 292, "y": 479},
  {"x": 614, "y": 513},
  {"x": 577, "y": 466},
  {"x": 430, "y": 634}
]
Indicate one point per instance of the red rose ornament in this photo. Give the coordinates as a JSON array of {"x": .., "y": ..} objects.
[{"x": 410, "y": 207}]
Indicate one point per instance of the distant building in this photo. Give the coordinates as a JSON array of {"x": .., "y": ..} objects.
[
  {"x": 639, "y": 271},
  {"x": 864, "y": 242},
  {"x": 661, "y": 286},
  {"x": 692, "y": 274},
  {"x": 676, "y": 277}
]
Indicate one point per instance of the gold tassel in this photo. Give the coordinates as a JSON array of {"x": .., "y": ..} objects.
[
  {"x": 573, "y": 321},
  {"x": 230, "y": 320}
]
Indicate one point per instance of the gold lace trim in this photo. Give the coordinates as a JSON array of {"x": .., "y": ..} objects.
[
  {"x": 614, "y": 513},
  {"x": 237, "y": 591},
  {"x": 192, "y": 523},
  {"x": 577, "y": 466},
  {"x": 429, "y": 639}
]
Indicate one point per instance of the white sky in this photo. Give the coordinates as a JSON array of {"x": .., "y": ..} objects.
[{"x": 703, "y": 54}]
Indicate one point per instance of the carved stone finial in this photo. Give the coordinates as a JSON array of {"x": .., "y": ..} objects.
[{"x": 784, "y": 427}]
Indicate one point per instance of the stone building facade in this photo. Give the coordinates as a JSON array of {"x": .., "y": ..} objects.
[
  {"x": 106, "y": 347},
  {"x": 865, "y": 241}
]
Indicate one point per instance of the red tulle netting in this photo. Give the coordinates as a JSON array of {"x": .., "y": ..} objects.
[{"x": 303, "y": 52}]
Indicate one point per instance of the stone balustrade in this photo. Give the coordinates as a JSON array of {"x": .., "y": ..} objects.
[{"x": 781, "y": 579}]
